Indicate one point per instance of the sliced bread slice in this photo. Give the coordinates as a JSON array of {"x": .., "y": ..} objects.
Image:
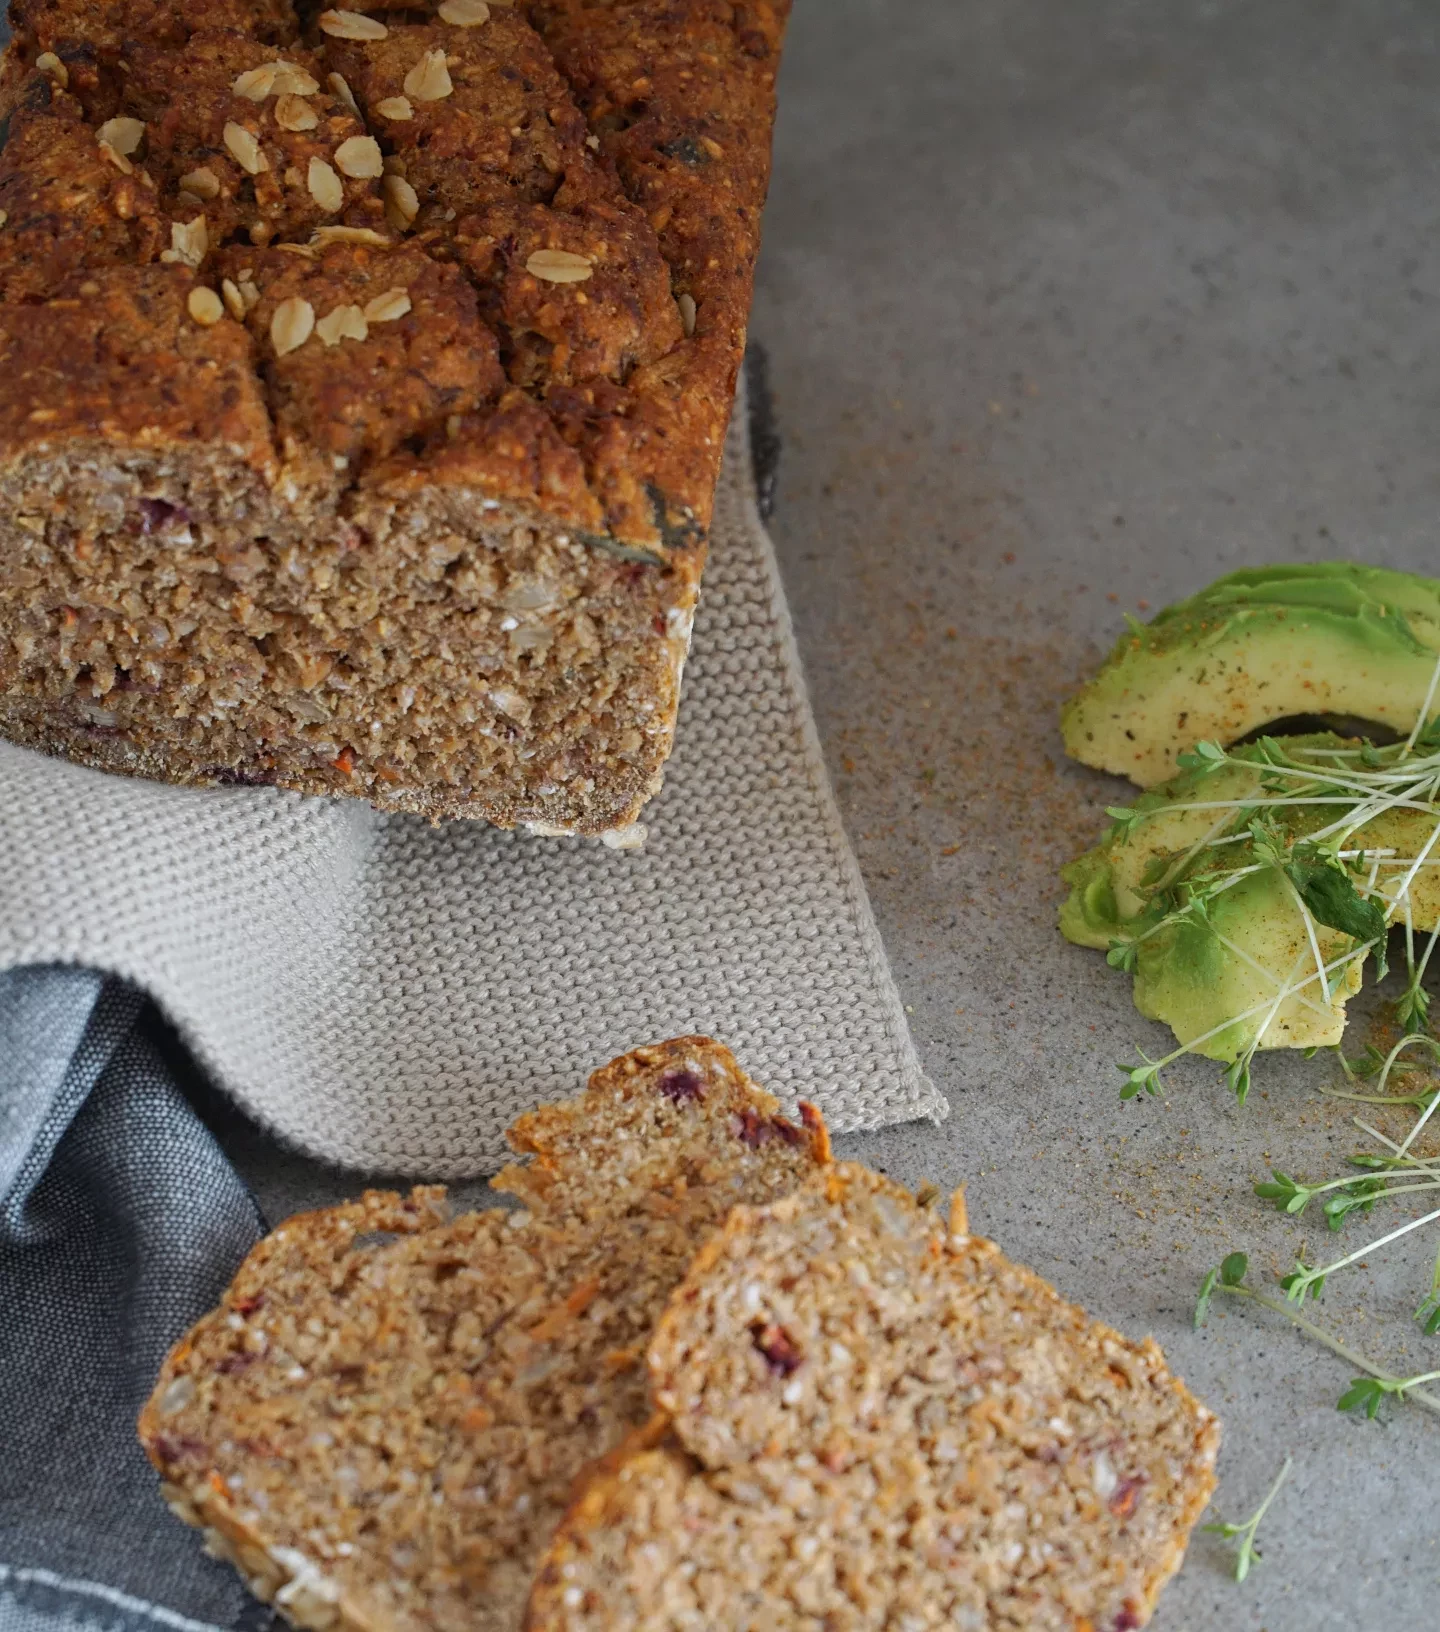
[
  {"x": 871, "y": 1420},
  {"x": 382, "y": 1422}
]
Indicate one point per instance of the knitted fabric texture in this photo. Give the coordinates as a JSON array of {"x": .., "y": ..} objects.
[{"x": 389, "y": 996}]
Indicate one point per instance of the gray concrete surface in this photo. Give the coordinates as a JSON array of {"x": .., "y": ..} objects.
[{"x": 1070, "y": 307}]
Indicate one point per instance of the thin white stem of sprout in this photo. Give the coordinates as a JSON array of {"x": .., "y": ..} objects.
[
  {"x": 1375, "y": 1133},
  {"x": 1370, "y": 1246},
  {"x": 1309, "y": 922},
  {"x": 1269, "y": 974},
  {"x": 1420, "y": 1122},
  {"x": 1359, "y": 1361},
  {"x": 1424, "y": 713}
]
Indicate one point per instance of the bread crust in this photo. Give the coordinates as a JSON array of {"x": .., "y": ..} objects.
[{"x": 568, "y": 197}]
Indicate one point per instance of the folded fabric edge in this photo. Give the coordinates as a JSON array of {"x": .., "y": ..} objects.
[
  {"x": 35, "y": 1600},
  {"x": 930, "y": 1104}
]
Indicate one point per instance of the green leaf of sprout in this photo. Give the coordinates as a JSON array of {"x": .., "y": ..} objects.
[
  {"x": 1248, "y": 1553},
  {"x": 1302, "y": 1283},
  {"x": 1203, "y": 756},
  {"x": 1364, "y": 1394},
  {"x": 1330, "y": 894},
  {"x": 1358, "y": 1197},
  {"x": 1268, "y": 844},
  {"x": 1234, "y": 1268},
  {"x": 1145, "y": 1075},
  {"x": 1207, "y": 1291},
  {"x": 1124, "y": 821},
  {"x": 1237, "y": 1077},
  {"x": 1367, "y": 1064},
  {"x": 1412, "y": 1009},
  {"x": 1287, "y": 1195}
]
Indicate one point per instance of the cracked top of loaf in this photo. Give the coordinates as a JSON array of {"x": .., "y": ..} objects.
[{"x": 354, "y": 254}]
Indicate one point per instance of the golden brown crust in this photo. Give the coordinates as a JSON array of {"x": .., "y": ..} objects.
[
  {"x": 680, "y": 95},
  {"x": 660, "y": 192},
  {"x": 114, "y": 362},
  {"x": 68, "y": 206},
  {"x": 508, "y": 131},
  {"x": 199, "y": 128},
  {"x": 109, "y": 27},
  {"x": 569, "y": 197},
  {"x": 357, "y": 403}
]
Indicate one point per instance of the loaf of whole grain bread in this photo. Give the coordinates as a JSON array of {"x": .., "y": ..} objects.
[
  {"x": 363, "y": 383},
  {"x": 382, "y": 1422}
]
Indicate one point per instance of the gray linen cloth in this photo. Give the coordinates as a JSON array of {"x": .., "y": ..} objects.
[{"x": 382, "y": 995}]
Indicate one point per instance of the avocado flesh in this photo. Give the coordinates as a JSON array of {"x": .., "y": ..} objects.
[
  {"x": 1261, "y": 645},
  {"x": 1185, "y": 974}
]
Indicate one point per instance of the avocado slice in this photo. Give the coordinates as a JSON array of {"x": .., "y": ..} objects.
[
  {"x": 1328, "y": 638},
  {"x": 1212, "y": 976}
]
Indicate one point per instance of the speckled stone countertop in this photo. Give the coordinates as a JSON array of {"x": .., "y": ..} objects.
[{"x": 1069, "y": 309}]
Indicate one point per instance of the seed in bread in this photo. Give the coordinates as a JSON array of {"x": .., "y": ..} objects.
[
  {"x": 870, "y": 1420},
  {"x": 382, "y": 1422}
]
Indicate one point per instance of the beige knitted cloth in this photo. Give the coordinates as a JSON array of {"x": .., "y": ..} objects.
[{"x": 389, "y": 996}]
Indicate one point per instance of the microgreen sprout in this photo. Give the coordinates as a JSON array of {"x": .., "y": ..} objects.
[
  {"x": 1229, "y": 1279},
  {"x": 1228, "y": 1275},
  {"x": 1365, "y": 1393},
  {"x": 1144, "y": 1076},
  {"x": 1303, "y": 1282},
  {"x": 1308, "y": 1282},
  {"x": 1201, "y": 757},
  {"x": 1300, "y": 814},
  {"x": 1247, "y": 1553}
]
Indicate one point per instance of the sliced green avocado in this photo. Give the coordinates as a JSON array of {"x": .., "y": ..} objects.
[
  {"x": 1199, "y": 975},
  {"x": 1269, "y": 643}
]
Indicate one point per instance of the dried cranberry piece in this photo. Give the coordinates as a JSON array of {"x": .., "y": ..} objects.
[
  {"x": 755, "y": 1130},
  {"x": 778, "y": 1347},
  {"x": 236, "y": 1362},
  {"x": 176, "y": 1447},
  {"x": 1126, "y": 1621},
  {"x": 682, "y": 1085},
  {"x": 156, "y": 514},
  {"x": 248, "y": 1306}
]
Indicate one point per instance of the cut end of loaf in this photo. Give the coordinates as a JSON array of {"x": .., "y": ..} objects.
[{"x": 188, "y": 612}]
